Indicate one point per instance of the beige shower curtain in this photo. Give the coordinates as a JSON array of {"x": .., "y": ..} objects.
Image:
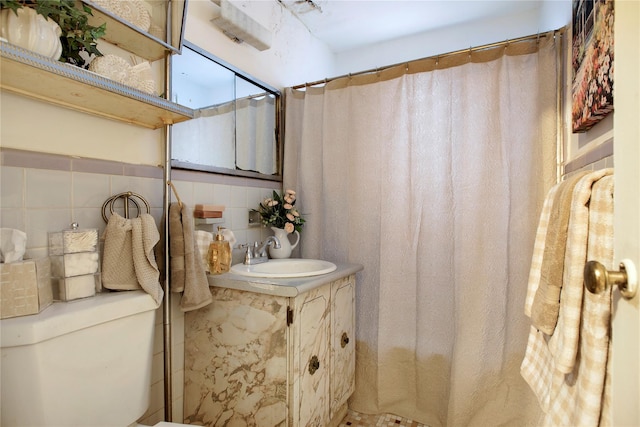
[{"x": 432, "y": 175}]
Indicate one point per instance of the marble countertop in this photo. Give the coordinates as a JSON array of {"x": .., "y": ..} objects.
[{"x": 281, "y": 287}]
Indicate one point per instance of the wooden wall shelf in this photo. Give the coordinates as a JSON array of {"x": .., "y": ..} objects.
[{"x": 38, "y": 77}]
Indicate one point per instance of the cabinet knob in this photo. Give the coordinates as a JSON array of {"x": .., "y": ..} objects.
[
  {"x": 314, "y": 364},
  {"x": 345, "y": 340}
]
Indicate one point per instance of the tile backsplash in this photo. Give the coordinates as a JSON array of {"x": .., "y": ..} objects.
[
  {"x": 597, "y": 158},
  {"x": 46, "y": 192},
  {"x": 40, "y": 193}
]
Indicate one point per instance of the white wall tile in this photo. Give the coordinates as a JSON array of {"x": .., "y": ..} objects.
[
  {"x": 185, "y": 191},
  {"x": 48, "y": 189},
  {"x": 11, "y": 187},
  {"x": 221, "y": 194},
  {"x": 90, "y": 190},
  {"x": 89, "y": 218},
  {"x": 203, "y": 193},
  {"x": 13, "y": 218},
  {"x": 237, "y": 197},
  {"x": 42, "y": 221}
]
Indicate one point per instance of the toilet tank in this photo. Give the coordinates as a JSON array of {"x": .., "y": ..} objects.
[{"x": 80, "y": 363}]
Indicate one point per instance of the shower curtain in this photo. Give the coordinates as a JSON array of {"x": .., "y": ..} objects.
[{"x": 432, "y": 175}]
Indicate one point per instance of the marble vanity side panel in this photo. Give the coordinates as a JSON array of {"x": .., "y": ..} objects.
[
  {"x": 310, "y": 393},
  {"x": 343, "y": 355},
  {"x": 236, "y": 361}
]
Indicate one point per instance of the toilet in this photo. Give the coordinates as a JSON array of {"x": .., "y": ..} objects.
[{"x": 80, "y": 363}]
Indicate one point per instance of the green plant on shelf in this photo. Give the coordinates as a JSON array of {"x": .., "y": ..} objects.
[{"x": 77, "y": 34}]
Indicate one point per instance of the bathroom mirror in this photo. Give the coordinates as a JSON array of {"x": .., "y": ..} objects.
[{"x": 236, "y": 129}]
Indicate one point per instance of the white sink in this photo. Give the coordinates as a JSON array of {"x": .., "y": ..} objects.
[{"x": 285, "y": 268}]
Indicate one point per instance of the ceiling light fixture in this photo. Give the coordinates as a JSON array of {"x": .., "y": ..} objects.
[{"x": 239, "y": 27}]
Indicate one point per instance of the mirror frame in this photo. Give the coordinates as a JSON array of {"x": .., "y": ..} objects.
[{"x": 279, "y": 121}]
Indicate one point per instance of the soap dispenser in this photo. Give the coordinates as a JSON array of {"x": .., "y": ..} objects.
[{"x": 219, "y": 256}]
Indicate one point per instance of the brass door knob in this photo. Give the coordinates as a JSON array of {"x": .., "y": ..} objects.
[{"x": 597, "y": 278}]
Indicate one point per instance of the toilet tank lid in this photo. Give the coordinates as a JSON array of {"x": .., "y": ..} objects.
[{"x": 64, "y": 317}]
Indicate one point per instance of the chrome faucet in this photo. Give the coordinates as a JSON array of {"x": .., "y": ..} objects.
[{"x": 256, "y": 254}]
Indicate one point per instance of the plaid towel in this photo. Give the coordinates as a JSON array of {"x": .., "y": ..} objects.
[
  {"x": 203, "y": 240},
  {"x": 570, "y": 384}
]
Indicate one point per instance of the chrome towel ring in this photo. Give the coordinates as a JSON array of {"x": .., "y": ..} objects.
[{"x": 127, "y": 196}]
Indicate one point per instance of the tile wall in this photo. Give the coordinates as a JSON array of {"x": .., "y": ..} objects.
[
  {"x": 600, "y": 157},
  {"x": 41, "y": 192}
]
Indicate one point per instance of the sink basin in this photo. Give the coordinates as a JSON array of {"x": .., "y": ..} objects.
[{"x": 285, "y": 268}]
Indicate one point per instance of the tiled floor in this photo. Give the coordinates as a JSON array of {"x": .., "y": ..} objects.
[{"x": 354, "y": 419}]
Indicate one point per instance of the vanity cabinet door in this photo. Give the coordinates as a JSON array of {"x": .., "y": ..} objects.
[
  {"x": 343, "y": 355},
  {"x": 310, "y": 398},
  {"x": 236, "y": 353}
]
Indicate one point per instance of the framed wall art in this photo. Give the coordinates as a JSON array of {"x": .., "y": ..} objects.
[{"x": 592, "y": 60}]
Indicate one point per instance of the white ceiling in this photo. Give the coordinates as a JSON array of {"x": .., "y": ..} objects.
[{"x": 350, "y": 24}]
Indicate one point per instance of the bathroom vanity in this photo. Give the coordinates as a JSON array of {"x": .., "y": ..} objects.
[{"x": 272, "y": 352}]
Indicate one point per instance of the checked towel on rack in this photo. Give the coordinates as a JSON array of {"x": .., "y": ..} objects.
[
  {"x": 568, "y": 370},
  {"x": 128, "y": 261},
  {"x": 185, "y": 262}
]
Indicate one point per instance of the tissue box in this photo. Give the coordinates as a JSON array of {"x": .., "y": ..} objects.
[{"x": 25, "y": 287}]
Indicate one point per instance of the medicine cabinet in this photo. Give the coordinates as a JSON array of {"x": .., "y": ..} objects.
[{"x": 236, "y": 128}]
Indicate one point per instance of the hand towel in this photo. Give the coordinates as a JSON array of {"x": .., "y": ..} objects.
[
  {"x": 176, "y": 248},
  {"x": 573, "y": 279},
  {"x": 118, "y": 272},
  {"x": 144, "y": 237},
  {"x": 538, "y": 249},
  {"x": 546, "y": 303},
  {"x": 128, "y": 262},
  {"x": 568, "y": 370},
  {"x": 189, "y": 272}
]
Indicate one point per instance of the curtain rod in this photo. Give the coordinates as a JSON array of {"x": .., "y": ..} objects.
[{"x": 442, "y": 55}]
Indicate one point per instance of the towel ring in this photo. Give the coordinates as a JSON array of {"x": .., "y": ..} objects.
[
  {"x": 597, "y": 278},
  {"x": 127, "y": 196}
]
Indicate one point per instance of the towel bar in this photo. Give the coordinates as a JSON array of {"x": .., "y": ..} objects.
[
  {"x": 597, "y": 278},
  {"x": 127, "y": 196}
]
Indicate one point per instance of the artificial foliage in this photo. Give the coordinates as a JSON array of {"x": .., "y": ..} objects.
[{"x": 77, "y": 34}]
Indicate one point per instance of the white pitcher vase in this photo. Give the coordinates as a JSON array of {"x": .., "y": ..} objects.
[
  {"x": 31, "y": 31},
  {"x": 285, "y": 244}
]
